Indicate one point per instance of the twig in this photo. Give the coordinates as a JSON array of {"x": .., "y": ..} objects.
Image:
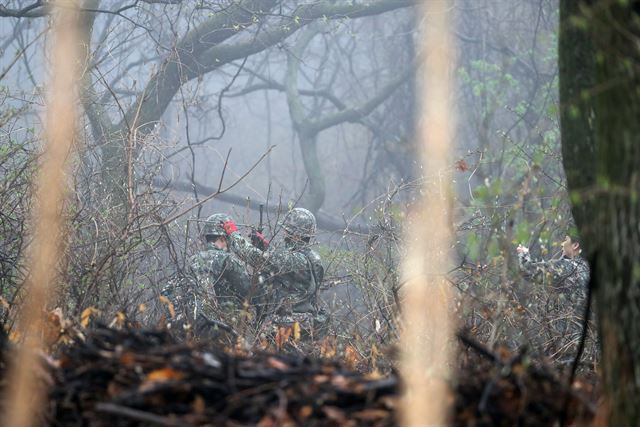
[
  {"x": 211, "y": 196},
  {"x": 479, "y": 348},
  {"x": 218, "y": 324},
  {"x": 136, "y": 414},
  {"x": 20, "y": 53},
  {"x": 224, "y": 169}
]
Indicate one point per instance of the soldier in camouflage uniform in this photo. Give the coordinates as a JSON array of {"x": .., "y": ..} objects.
[
  {"x": 218, "y": 271},
  {"x": 563, "y": 292},
  {"x": 290, "y": 275},
  {"x": 216, "y": 283}
]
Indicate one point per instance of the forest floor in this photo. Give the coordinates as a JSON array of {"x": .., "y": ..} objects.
[{"x": 134, "y": 377}]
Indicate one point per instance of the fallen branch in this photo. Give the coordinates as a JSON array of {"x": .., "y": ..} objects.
[
  {"x": 325, "y": 221},
  {"x": 134, "y": 414}
]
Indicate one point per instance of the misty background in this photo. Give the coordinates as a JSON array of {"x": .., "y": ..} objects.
[{"x": 177, "y": 94}]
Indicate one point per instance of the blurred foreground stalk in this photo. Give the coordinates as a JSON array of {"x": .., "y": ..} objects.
[
  {"x": 426, "y": 340},
  {"x": 26, "y": 394}
]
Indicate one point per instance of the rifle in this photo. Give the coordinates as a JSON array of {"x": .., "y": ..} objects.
[{"x": 257, "y": 239}]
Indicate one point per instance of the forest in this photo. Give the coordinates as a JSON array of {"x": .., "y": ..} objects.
[{"x": 319, "y": 212}]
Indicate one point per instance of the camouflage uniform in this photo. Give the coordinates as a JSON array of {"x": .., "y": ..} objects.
[
  {"x": 216, "y": 283},
  {"x": 563, "y": 294},
  {"x": 220, "y": 273},
  {"x": 290, "y": 275},
  {"x": 564, "y": 274}
]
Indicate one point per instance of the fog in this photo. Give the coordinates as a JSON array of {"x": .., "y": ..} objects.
[{"x": 309, "y": 104}]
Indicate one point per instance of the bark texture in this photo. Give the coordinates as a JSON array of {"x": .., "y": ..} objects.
[{"x": 601, "y": 149}]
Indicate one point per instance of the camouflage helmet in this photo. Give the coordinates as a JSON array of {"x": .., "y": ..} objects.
[
  {"x": 300, "y": 222},
  {"x": 213, "y": 225}
]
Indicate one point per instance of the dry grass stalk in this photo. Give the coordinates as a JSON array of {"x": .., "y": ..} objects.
[
  {"x": 25, "y": 392},
  {"x": 426, "y": 339}
]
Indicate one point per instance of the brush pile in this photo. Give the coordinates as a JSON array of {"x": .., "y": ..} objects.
[
  {"x": 134, "y": 377},
  {"x": 138, "y": 377}
]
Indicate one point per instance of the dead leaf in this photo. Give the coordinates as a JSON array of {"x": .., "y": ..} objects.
[
  {"x": 159, "y": 376},
  {"x": 296, "y": 331},
  {"x": 128, "y": 359},
  {"x": 87, "y": 313},
  {"x": 373, "y": 375},
  {"x": 328, "y": 347},
  {"x": 371, "y": 414},
  {"x": 334, "y": 414},
  {"x": 340, "y": 382},
  {"x": 118, "y": 320},
  {"x": 53, "y": 327},
  {"x": 267, "y": 421},
  {"x": 164, "y": 374},
  {"x": 321, "y": 379},
  {"x": 461, "y": 165},
  {"x": 389, "y": 402},
  {"x": 277, "y": 364},
  {"x": 351, "y": 357},
  {"x": 199, "y": 405},
  {"x": 169, "y": 304},
  {"x": 305, "y": 412},
  {"x": 283, "y": 335}
]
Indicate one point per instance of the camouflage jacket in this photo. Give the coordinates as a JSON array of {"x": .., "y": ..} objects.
[
  {"x": 289, "y": 277},
  {"x": 220, "y": 273},
  {"x": 564, "y": 274},
  {"x": 563, "y": 295}
]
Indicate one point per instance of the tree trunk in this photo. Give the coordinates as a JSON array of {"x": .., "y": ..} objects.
[
  {"x": 315, "y": 192},
  {"x": 608, "y": 166},
  {"x": 576, "y": 70}
]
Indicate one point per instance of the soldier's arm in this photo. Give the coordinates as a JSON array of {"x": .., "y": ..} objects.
[
  {"x": 246, "y": 251},
  {"x": 277, "y": 259},
  {"x": 318, "y": 268},
  {"x": 532, "y": 270},
  {"x": 198, "y": 268}
]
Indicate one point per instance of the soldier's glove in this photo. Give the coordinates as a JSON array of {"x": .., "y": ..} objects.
[
  {"x": 229, "y": 227},
  {"x": 258, "y": 240}
]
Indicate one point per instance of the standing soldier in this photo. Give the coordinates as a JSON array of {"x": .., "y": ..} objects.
[
  {"x": 563, "y": 288},
  {"x": 290, "y": 275}
]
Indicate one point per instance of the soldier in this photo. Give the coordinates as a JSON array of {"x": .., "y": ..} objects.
[
  {"x": 215, "y": 286},
  {"x": 570, "y": 272},
  {"x": 290, "y": 275},
  {"x": 564, "y": 287},
  {"x": 216, "y": 270}
]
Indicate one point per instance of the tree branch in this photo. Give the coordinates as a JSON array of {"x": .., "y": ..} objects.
[
  {"x": 355, "y": 114},
  {"x": 40, "y": 9},
  {"x": 98, "y": 117},
  {"x": 188, "y": 62},
  {"x": 184, "y": 63},
  {"x": 325, "y": 221},
  {"x": 273, "y": 85},
  {"x": 30, "y": 11}
]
